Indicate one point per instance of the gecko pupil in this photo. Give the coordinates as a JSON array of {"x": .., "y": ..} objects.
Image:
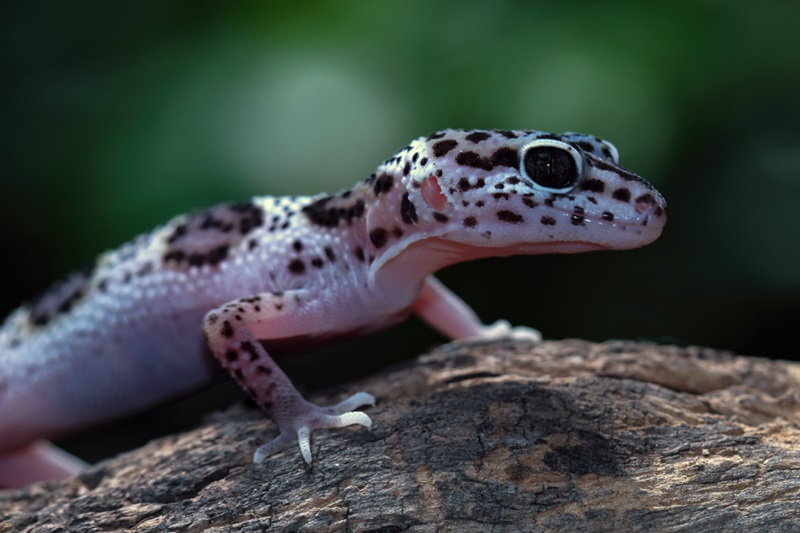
[{"x": 551, "y": 167}]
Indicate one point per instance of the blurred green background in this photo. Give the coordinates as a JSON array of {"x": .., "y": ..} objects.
[{"x": 115, "y": 116}]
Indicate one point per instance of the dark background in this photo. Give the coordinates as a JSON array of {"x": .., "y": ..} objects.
[{"x": 115, "y": 116}]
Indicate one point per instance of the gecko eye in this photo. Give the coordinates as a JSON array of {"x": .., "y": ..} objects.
[{"x": 551, "y": 164}]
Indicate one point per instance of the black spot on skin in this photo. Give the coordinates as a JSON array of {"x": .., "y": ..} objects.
[
  {"x": 509, "y": 217},
  {"x": 592, "y": 199},
  {"x": 60, "y": 298},
  {"x": 593, "y": 185},
  {"x": 330, "y": 211},
  {"x": 512, "y": 180},
  {"x": 440, "y": 217},
  {"x": 576, "y": 220},
  {"x": 408, "y": 211},
  {"x": 231, "y": 356},
  {"x": 251, "y": 216},
  {"x": 436, "y": 135},
  {"x": 359, "y": 253},
  {"x": 477, "y": 136},
  {"x": 472, "y": 159},
  {"x": 443, "y": 147},
  {"x": 218, "y": 254},
  {"x": 423, "y": 161},
  {"x": 548, "y": 221},
  {"x": 608, "y": 215},
  {"x": 197, "y": 259},
  {"x": 296, "y": 266},
  {"x": 479, "y": 203},
  {"x": 378, "y": 237},
  {"x": 501, "y": 196},
  {"x": 578, "y": 209},
  {"x": 384, "y": 183},
  {"x": 261, "y": 369},
  {"x": 329, "y": 254},
  {"x": 530, "y": 203},
  {"x": 470, "y": 222},
  {"x": 505, "y": 157},
  {"x": 227, "y": 330},
  {"x": 316, "y": 262},
  {"x": 298, "y": 246},
  {"x": 177, "y": 233},
  {"x": 606, "y": 152},
  {"x": 406, "y": 168},
  {"x": 397, "y": 232},
  {"x": 250, "y": 348},
  {"x": 507, "y": 134},
  {"x": 658, "y": 211},
  {"x": 464, "y": 185},
  {"x": 622, "y": 194},
  {"x": 206, "y": 236},
  {"x": 586, "y": 146}
]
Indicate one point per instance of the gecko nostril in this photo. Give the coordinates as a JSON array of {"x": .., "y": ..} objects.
[{"x": 645, "y": 203}]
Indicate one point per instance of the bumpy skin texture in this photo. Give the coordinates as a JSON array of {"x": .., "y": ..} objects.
[{"x": 129, "y": 332}]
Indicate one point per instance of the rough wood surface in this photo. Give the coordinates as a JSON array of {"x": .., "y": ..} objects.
[{"x": 503, "y": 436}]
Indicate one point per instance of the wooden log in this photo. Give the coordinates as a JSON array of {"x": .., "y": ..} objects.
[{"x": 500, "y": 436}]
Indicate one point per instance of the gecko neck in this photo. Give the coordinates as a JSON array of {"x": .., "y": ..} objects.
[{"x": 415, "y": 260}]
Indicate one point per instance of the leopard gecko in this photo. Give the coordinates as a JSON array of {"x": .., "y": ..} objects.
[{"x": 275, "y": 274}]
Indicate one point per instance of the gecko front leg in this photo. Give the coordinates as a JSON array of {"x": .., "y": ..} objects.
[
  {"x": 450, "y": 315},
  {"x": 233, "y": 331}
]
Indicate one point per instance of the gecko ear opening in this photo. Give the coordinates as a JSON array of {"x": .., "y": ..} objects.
[{"x": 432, "y": 194}]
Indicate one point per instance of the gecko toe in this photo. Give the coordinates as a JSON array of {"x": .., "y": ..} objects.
[
  {"x": 298, "y": 427},
  {"x": 359, "y": 399},
  {"x": 278, "y": 444}
]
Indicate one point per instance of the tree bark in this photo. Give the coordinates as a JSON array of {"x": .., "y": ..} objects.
[{"x": 500, "y": 436}]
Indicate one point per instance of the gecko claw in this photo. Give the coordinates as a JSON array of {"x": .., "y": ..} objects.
[{"x": 502, "y": 329}]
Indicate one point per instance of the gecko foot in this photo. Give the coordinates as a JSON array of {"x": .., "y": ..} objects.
[
  {"x": 502, "y": 329},
  {"x": 299, "y": 425}
]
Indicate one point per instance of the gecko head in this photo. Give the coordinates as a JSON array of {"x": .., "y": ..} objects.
[{"x": 525, "y": 192}]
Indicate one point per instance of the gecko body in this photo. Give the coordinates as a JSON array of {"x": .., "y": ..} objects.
[{"x": 253, "y": 279}]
